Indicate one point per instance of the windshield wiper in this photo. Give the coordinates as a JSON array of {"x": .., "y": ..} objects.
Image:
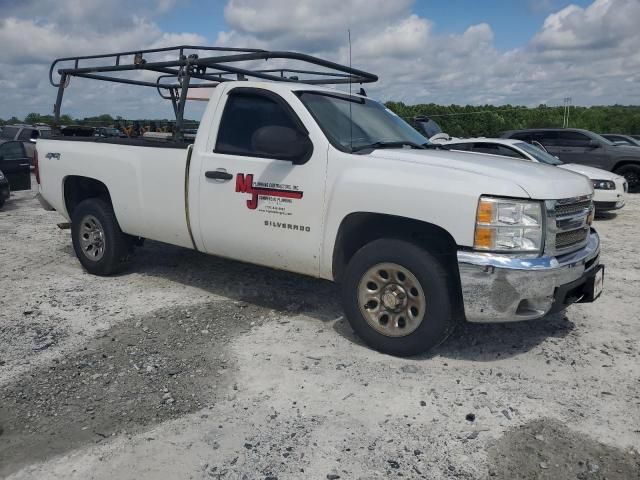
[{"x": 396, "y": 144}]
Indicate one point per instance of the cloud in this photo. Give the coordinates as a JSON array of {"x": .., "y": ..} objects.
[
  {"x": 603, "y": 25},
  {"x": 33, "y": 33},
  {"x": 310, "y": 24},
  {"x": 588, "y": 53}
]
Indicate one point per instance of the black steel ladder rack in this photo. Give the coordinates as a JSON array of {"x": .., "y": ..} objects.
[{"x": 189, "y": 63}]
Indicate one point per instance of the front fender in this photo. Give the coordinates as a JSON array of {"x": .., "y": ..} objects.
[{"x": 444, "y": 197}]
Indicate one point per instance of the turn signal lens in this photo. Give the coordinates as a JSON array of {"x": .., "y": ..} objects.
[
  {"x": 484, "y": 238},
  {"x": 485, "y": 211}
]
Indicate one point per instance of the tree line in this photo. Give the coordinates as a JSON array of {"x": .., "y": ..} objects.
[
  {"x": 490, "y": 121},
  {"x": 104, "y": 120},
  {"x": 456, "y": 120}
]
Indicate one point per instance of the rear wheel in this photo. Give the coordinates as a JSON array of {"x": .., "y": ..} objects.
[
  {"x": 100, "y": 245},
  {"x": 396, "y": 297},
  {"x": 631, "y": 173}
]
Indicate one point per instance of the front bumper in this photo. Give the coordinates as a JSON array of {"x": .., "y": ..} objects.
[
  {"x": 504, "y": 288},
  {"x": 608, "y": 206},
  {"x": 605, "y": 200}
]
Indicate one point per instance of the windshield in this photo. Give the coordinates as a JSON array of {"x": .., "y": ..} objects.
[
  {"x": 354, "y": 123},
  {"x": 538, "y": 154}
]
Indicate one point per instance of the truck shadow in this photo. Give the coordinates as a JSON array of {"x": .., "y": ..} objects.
[
  {"x": 292, "y": 294},
  {"x": 605, "y": 216}
]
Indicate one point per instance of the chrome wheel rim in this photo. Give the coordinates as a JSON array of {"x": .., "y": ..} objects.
[
  {"x": 391, "y": 300},
  {"x": 92, "y": 240}
]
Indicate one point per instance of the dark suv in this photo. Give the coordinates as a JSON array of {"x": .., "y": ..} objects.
[{"x": 572, "y": 145}]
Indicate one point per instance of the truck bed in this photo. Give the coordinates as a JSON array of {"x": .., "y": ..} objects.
[
  {"x": 132, "y": 142},
  {"x": 145, "y": 180}
]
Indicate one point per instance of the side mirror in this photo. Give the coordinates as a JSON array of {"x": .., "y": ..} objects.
[
  {"x": 282, "y": 143},
  {"x": 592, "y": 144}
]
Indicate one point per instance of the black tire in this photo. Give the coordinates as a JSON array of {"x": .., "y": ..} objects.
[
  {"x": 1, "y": 203},
  {"x": 436, "y": 322},
  {"x": 631, "y": 173},
  {"x": 117, "y": 246}
]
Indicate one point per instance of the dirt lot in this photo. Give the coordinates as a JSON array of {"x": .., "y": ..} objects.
[{"x": 190, "y": 366}]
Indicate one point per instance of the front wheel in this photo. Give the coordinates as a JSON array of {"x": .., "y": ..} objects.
[
  {"x": 631, "y": 174},
  {"x": 100, "y": 245},
  {"x": 396, "y": 297}
]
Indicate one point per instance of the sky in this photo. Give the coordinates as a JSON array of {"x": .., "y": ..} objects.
[{"x": 524, "y": 52}]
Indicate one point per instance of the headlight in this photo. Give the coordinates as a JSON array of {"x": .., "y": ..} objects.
[
  {"x": 507, "y": 225},
  {"x": 603, "y": 184}
]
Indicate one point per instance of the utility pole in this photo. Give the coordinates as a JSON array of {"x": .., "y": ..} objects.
[{"x": 565, "y": 116}]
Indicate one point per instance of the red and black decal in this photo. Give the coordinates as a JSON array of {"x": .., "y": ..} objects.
[{"x": 244, "y": 184}]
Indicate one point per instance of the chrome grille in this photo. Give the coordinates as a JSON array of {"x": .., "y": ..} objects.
[
  {"x": 568, "y": 224},
  {"x": 572, "y": 237},
  {"x": 572, "y": 208}
]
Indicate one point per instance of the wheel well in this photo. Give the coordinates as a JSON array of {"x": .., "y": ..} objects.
[
  {"x": 77, "y": 189},
  {"x": 622, "y": 163},
  {"x": 359, "y": 229}
]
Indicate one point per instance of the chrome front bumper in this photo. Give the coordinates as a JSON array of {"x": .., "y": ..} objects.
[{"x": 504, "y": 288}]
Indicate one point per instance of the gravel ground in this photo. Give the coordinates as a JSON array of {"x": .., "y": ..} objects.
[{"x": 189, "y": 366}]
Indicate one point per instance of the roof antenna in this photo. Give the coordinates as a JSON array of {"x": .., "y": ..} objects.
[{"x": 350, "y": 79}]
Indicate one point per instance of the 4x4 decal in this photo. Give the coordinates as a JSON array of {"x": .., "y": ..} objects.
[{"x": 244, "y": 184}]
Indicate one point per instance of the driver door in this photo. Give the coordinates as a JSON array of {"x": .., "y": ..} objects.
[
  {"x": 16, "y": 165},
  {"x": 256, "y": 208}
]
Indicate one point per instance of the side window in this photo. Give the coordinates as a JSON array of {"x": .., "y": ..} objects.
[
  {"x": 496, "y": 149},
  {"x": 12, "y": 151},
  {"x": 460, "y": 146},
  {"x": 243, "y": 116},
  {"x": 524, "y": 136},
  {"x": 25, "y": 134},
  {"x": 548, "y": 139},
  {"x": 9, "y": 133},
  {"x": 572, "y": 139}
]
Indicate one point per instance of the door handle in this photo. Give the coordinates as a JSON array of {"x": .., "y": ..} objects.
[{"x": 218, "y": 175}]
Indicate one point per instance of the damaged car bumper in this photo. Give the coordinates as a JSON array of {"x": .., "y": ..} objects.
[{"x": 506, "y": 288}]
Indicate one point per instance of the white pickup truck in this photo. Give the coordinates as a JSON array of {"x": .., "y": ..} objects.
[{"x": 307, "y": 179}]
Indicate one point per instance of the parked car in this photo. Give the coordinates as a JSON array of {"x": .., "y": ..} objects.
[
  {"x": 609, "y": 188},
  {"x": 77, "y": 131},
  {"x": 5, "y": 189},
  {"x": 572, "y": 145},
  {"x": 16, "y": 168},
  {"x": 309, "y": 179},
  {"x": 621, "y": 139},
  {"x": 27, "y": 134},
  {"x": 108, "y": 132}
]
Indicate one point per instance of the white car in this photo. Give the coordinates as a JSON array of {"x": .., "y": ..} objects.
[{"x": 609, "y": 188}]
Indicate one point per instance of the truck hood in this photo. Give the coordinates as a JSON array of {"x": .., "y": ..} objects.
[
  {"x": 591, "y": 172},
  {"x": 540, "y": 182}
]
